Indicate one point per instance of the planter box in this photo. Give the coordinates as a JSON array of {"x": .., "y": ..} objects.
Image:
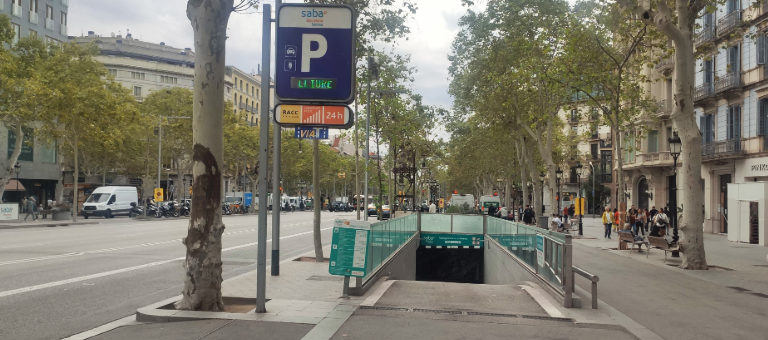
[{"x": 61, "y": 215}]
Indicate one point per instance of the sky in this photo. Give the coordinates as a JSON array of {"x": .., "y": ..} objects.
[{"x": 433, "y": 29}]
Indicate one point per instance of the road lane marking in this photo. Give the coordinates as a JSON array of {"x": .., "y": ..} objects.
[
  {"x": 24, "y": 246},
  {"x": 125, "y": 270},
  {"x": 42, "y": 258}
]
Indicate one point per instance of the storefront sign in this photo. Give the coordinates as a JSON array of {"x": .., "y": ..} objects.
[
  {"x": 540, "y": 249},
  {"x": 9, "y": 212},
  {"x": 349, "y": 248}
]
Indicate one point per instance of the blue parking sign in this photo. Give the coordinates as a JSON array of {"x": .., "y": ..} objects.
[{"x": 315, "y": 54}]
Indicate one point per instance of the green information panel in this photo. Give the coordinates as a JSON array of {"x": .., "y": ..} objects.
[
  {"x": 349, "y": 248},
  {"x": 464, "y": 240},
  {"x": 520, "y": 241}
]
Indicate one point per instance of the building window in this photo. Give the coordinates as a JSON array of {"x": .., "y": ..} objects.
[
  {"x": 734, "y": 64},
  {"x": 257, "y": 92},
  {"x": 16, "y": 33},
  {"x": 52, "y": 41},
  {"x": 169, "y": 80},
  {"x": 241, "y": 84},
  {"x": 33, "y": 6},
  {"x": 653, "y": 141},
  {"x": 734, "y": 122},
  {"x": 137, "y": 91},
  {"x": 113, "y": 72},
  {"x": 49, "y": 12},
  {"x": 762, "y": 112},
  {"x": 707, "y": 126},
  {"x": 235, "y": 98},
  {"x": 574, "y": 115},
  {"x": 138, "y": 75},
  {"x": 762, "y": 49},
  {"x": 575, "y": 130},
  {"x": 33, "y": 33},
  {"x": 64, "y": 18},
  {"x": 593, "y": 150},
  {"x": 709, "y": 71}
]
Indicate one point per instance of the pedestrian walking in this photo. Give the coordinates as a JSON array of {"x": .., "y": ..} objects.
[
  {"x": 31, "y": 204},
  {"x": 653, "y": 213},
  {"x": 640, "y": 222},
  {"x": 616, "y": 219},
  {"x": 660, "y": 221},
  {"x": 432, "y": 207},
  {"x": 607, "y": 222},
  {"x": 565, "y": 214},
  {"x": 572, "y": 211}
]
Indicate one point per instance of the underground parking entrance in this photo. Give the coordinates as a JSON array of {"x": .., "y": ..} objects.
[{"x": 456, "y": 258}]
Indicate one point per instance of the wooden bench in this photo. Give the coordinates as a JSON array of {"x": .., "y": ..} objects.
[
  {"x": 629, "y": 238},
  {"x": 661, "y": 243}
]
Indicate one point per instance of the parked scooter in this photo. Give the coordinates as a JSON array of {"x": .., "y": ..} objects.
[
  {"x": 185, "y": 209},
  {"x": 226, "y": 209},
  {"x": 135, "y": 210}
]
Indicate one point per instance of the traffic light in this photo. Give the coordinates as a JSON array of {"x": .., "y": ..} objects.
[
  {"x": 281, "y": 190},
  {"x": 455, "y": 191}
]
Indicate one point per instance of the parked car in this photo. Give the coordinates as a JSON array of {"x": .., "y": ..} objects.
[
  {"x": 110, "y": 201},
  {"x": 386, "y": 212},
  {"x": 337, "y": 206},
  {"x": 372, "y": 210}
]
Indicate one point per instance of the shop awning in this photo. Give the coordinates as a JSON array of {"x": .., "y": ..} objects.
[{"x": 12, "y": 186}]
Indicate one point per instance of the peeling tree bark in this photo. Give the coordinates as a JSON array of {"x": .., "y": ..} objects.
[{"x": 202, "y": 266}]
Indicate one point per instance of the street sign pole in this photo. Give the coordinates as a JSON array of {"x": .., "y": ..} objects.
[
  {"x": 261, "y": 264},
  {"x": 276, "y": 196},
  {"x": 367, "y": 144}
]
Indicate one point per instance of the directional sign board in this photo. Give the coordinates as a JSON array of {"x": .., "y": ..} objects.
[
  {"x": 311, "y": 132},
  {"x": 315, "y": 53},
  {"x": 349, "y": 248},
  {"x": 338, "y": 117}
]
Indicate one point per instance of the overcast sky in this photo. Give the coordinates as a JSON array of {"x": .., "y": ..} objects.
[{"x": 433, "y": 29}]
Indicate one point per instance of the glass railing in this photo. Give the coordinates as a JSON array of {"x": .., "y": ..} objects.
[
  {"x": 522, "y": 241},
  {"x": 387, "y": 237},
  {"x": 452, "y": 223}
]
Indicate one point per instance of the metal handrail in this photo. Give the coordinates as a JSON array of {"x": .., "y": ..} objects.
[{"x": 590, "y": 277}]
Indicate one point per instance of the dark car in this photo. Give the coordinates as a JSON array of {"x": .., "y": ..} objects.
[{"x": 337, "y": 206}]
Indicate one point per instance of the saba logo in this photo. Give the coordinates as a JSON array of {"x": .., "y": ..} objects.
[
  {"x": 6, "y": 210},
  {"x": 313, "y": 14}
]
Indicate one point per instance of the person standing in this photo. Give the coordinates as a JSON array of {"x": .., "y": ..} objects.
[
  {"x": 572, "y": 211},
  {"x": 565, "y": 214},
  {"x": 526, "y": 215},
  {"x": 615, "y": 219},
  {"x": 650, "y": 221},
  {"x": 607, "y": 222},
  {"x": 659, "y": 221},
  {"x": 432, "y": 207},
  {"x": 492, "y": 210}
]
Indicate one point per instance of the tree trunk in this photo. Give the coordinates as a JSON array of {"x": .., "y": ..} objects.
[
  {"x": 202, "y": 266},
  {"x": 538, "y": 196},
  {"x": 76, "y": 174},
  {"x": 689, "y": 175},
  {"x": 620, "y": 185},
  {"x": 14, "y": 156},
  {"x": 317, "y": 200},
  {"x": 179, "y": 181}
]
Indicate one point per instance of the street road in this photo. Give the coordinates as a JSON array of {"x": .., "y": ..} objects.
[{"x": 61, "y": 281}]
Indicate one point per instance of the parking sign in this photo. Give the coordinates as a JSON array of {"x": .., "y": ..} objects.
[{"x": 315, "y": 54}]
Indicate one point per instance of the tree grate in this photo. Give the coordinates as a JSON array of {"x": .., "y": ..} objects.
[
  {"x": 386, "y": 308},
  {"x": 437, "y": 311},
  {"x": 549, "y": 318},
  {"x": 494, "y": 314}
]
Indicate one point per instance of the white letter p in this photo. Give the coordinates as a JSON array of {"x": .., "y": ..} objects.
[{"x": 307, "y": 53}]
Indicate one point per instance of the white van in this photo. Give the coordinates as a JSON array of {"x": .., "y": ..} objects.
[
  {"x": 110, "y": 201},
  {"x": 457, "y": 200},
  {"x": 486, "y": 201}
]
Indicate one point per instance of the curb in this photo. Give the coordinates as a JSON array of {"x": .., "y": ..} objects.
[{"x": 46, "y": 225}]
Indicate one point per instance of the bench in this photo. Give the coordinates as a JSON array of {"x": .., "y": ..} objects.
[
  {"x": 661, "y": 243},
  {"x": 629, "y": 238}
]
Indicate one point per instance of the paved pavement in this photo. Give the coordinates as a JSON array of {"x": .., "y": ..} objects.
[
  {"x": 66, "y": 280},
  {"x": 681, "y": 304}
]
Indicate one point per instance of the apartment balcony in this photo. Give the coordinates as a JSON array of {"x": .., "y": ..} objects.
[
  {"x": 33, "y": 17},
  {"x": 63, "y": 30},
  {"x": 16, "y": 10},
  {"x": 727, "y": 82},
  {"x": 605, "y": 178},
  {"x": 667, "y": 64},
  {"x": 65, "y": 2},
  {"x": 725, "y": 149},
  {"x": 138, "y": 98},
  {"x": 703, "y": 91},
  {"x": 242, "y": 105},
  {"x": 248, "y": 108},
  {"x": 706, "y": 34},
  {"x": 49, "y": 24},
  {"x": 665, "y": 108},
  {"x": 606, "y": 144},
  {"x": 728, "y": 23}
]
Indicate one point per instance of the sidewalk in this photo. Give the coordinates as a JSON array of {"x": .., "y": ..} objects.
[{"x": 47, "y": 222}]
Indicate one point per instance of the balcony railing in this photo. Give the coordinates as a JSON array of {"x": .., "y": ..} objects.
[
  {"x": 653, "y": 158},
  {"x": 63, "y": 30},
  {"x": 706, "y": 34},
  {"x": 727, "y": 82},
  {"x": 49, "y": 24},
  {"x": 605, "y": 178},
  {"x": 139, "y": 98},
  {"x": 730, "y": 147},
  {"x": 728, "y": 23},
  {"x": 33, "y": 17},
  {"x": 16, "y": 10},
  {"x": 665, "y": 64},
  {"x": 703, "y": 91},
  {"x": 665, "y": 107},
  {"x": 605, "y": 143},
  {"x": 242, "y": 105}
]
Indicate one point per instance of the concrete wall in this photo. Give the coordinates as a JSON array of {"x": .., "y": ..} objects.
[{"x": 402, "y": 266}]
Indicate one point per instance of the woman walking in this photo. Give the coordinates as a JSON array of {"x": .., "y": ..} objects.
[
  {"x": 615, "y": 219},
  {"x": 607, "y": 222}
]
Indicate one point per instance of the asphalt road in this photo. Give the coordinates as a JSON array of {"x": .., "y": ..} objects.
[{"x": 56, "y": 282}]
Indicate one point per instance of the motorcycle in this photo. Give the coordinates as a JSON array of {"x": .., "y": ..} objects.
[
  {"x": 185, "y": 209},
  {"x": 154, "y": 210},
  {"x": 172, "y": 211},
  {"x": 226, "y": 209},
  {"x": 135, "y": 210}
]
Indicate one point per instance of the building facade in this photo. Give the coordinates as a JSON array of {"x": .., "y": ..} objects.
[
  {"x": 245, "y": 94},
  {"x": 40, "y": 171}
]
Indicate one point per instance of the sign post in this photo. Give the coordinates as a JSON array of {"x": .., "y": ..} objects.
[
  {"x": 349, "y": 250},
  {"x": 158, "y": 194}
]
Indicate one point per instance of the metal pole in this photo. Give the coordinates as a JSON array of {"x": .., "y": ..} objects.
[
  {"x": 261, "y": 266},
  {"x": 367, "y": 142},
  {"x": 276, "y": 164},
  {"x": 345, "y": 290},
  {"x": 318, "y": 204},
  {"x": 581, "y": 218},
  {"x": 673, "y": 208},
  {"x": 594, "y": 203},
  {"x": 159, "y": 149}
]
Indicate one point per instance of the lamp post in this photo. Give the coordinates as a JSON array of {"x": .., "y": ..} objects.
[
  {"x": 579, "y": 168},
  {"x": 16, "y": 170},
  {"x": 542, "y": 176},
  {"x": 559, "y": 176},
  {"x": 514, "y": 189},
  {"x": 675, "y": 146},
  {"x": 594, "y": 203}
]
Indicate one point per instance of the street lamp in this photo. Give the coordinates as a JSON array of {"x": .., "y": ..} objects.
[
  {"x": 542, "y": 176},
  {"x": 675, "y": 146},
  {"x": 559, "y": 176},
  {"x": 579, "y": 168},
  {"x": 16, "y": 170},
  {"x": 514, "y": 189}
]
